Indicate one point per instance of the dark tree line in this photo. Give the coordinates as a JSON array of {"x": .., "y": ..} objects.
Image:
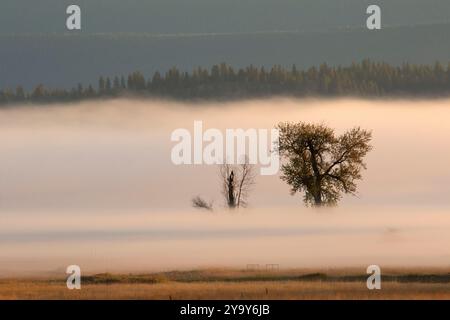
[{"x": 367, "y": 78}]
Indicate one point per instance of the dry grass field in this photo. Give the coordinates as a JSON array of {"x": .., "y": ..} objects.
[{"x": 234, "y": 284}]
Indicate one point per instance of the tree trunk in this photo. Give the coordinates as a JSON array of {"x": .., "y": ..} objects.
[
  {"x": 318, "y": 193},
  {"x": 317, "y": 176},
  {"x": 231, "y": 197},
  {"x": 318, "y": 199}
]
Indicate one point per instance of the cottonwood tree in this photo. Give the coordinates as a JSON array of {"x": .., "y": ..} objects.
[
  {"x": 237, "y": 181},
  {"x": 320, "y": 163}
]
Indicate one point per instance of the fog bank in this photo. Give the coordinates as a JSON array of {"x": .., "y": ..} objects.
[{"x": 93, "y": 184}]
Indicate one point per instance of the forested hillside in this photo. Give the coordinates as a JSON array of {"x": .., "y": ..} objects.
[{"x": 370, "y": 79}]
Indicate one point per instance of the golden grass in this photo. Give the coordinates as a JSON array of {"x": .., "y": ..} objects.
[
  {"x": 234, "y": 284},
  {"x": 225, "y": 290}
]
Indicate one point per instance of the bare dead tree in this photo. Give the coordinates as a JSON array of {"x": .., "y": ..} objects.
[
  {"x": 228, "y": 185},
  {"x": 247, "y": 180},
  {"x": 237, "y": 181}
]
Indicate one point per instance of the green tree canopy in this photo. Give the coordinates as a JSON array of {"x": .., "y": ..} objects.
[{"x": 320, "y": 163}]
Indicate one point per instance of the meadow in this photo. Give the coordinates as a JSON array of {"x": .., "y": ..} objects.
[{"x": 213, "y": 284}]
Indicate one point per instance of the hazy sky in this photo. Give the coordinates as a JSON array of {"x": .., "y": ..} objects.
[
  {"x": 192, "y": 33},
  {"x": 193, "y": 16}
]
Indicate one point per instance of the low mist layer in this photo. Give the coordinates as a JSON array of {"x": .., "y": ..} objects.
[{"x": 93, "y": 184}]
